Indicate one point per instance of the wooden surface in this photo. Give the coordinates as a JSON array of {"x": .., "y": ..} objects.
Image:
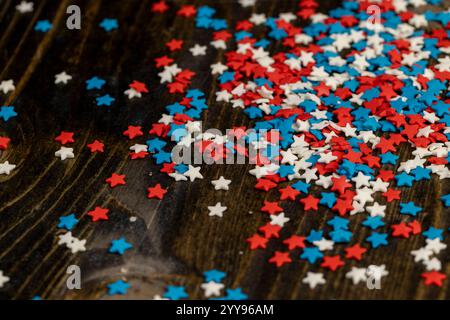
[{"x": 174, "y": 240}]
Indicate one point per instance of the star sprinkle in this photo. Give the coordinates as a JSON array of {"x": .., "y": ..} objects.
[
  {"x": 119, "y": 246},
  {"x": 280, "y": 258},
  {"x": 156, "y": 192},
  {"x": 212, "y": 288},
  {"x": 62, "y": 77},
  {"x": 217, "y": 210},
  {"x": 7, "y": 86},
  {"x": 193, "y": 173},
  {"x": 116, "y": 180},
  {"x": 71, "y": 242},
  {"x": 198, "y": 50},
  {"x": 7, "y": 112},
  {"x": 98, "y": 214},
  {"x": 433, "y": 278},
  {"x": 25, "y": 7},
  {"x": 357, "y": 275},
  {"x": 43, "y": 26},
  {"x": 6, "y": 167},
  {"x": 109, "y": 24},
  {"x": 65, "y": 137},
  {"x": 4, "y": 142},
  {"x": 3, "y": 279},
  {"x": 65, "y": 153},
  {"x": 313, "y": 279},
  {"x": 95, "y": 83},
  {"x": 118, "y": 287},
  {"x": 67, "y": 222},
  {"x": 221, "y": 183},
  {"x": 105, "y": 100},
  {"x": 175, "y": 293},
  {"x": 96, "y": 146}
]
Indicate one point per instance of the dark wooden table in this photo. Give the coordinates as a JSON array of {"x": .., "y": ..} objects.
[{"x": 174, "y": 240}]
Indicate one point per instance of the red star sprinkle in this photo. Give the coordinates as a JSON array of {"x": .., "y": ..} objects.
[
  {"x": 264, "y": 184},
  {"x": 355, "y": 252},
  {"x": 340, "y": 184},
  {"x": 163, "y": 61},
  {"x": 99, "y": 213},
  {"x": 133, "y": 132},
  {"x": 4, "y": 141},
  {"x": 415, "y": 226},
  {"x": 256, "y": 241},
  {"x": 294, "y": 242},
  {"x": 433, "y": 278},
  {"x": 96, "y": 146},
  {"x": 288, "y": 193},
  {"x": 332, "y": 263},
  {"x": 310, "y": 203},
  {"x": 391, "y": 194},
  {"x": 271, "y": 207},
  {"x": 139, "y": 86},
  {"x": 280, "y": 258},
  {"x": 401, "y": 230},
  {"x": 187, "y": 11},
  {"x": 156, "y": 192},
  {"x": 174, "y": 44},
  {"x": 270, "y": 230},
  {"x": 116, "y": 180},
  {"x": 65, "y": 137},
  {"x": 138, "y": 155},
  {"x": 160, "y": 6}
]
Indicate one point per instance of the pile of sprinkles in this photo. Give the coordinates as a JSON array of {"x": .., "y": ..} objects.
[{"x": 333, "y": 100}]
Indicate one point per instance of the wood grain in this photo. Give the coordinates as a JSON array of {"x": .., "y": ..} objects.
[{"x": 174, "y": 239}]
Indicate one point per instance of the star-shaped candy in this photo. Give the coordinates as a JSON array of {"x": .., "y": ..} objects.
[
  {"x": 212, "y": 288},
  {"x": 332, "y": 262},
  {"x": 433, "y": 278},
  {"x": 7, "y": 86},
  {"x": 94, "y": 83},
  {"x": 3, "y": 279},
  {"x": 133, "y": 132},
  {"x": 109, "y": 24},
  {"x": 65, "y": 137},
  {"x": 377, "y": 239},
  {"x": 118, "y": 287},
  {"x": 214, "y": 275},
  {"x": 156, "y": 192},
  {"x": 193, "y": 173},
  {"x": 7, "y": 112},
  {"x": 280, "y": 258},
  {"x": 357, "y": 275},
  {"x": 313, "y": 279},
  {"x": 116, "y": 180},
  {"x": 25, "y": 6},
  {"x": 43, "y": 26},
  {"x": 105, "y": 100},
  {"x": 221, "y": 183},
  {"x": 99, "y": 213},
  {"x": 217, "y": 210},
  {"x": 67, "y": 222},
  {"x": 6, "y": 167},
  {"x": 62, "y": 77},
  {"x": 175, "y": 293},
  {"x": 96, "y": 146},
  {"x": 4, "y": 142},
  {"x": 409, "y": 208},
  {"x": 198, "y": 50},
  {"x": 119, "y": 246},
  {"x": 65, "y": 153}
]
